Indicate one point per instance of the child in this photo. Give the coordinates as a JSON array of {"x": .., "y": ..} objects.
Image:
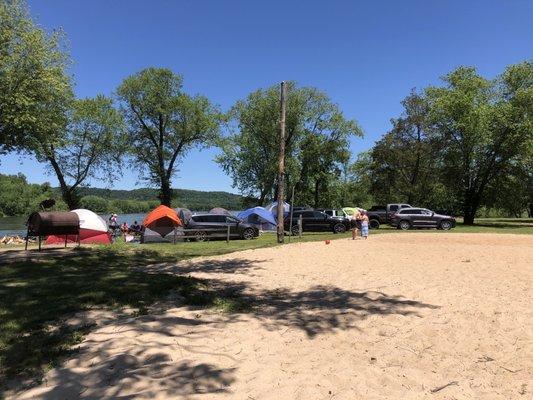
[
  {"x": 364, "y": 225},
  {"x": 354, "y": 222}
]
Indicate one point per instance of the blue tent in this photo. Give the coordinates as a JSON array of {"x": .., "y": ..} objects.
[
  {"x": 257, "y": 215},
  {"x": 273, "y": 208}
]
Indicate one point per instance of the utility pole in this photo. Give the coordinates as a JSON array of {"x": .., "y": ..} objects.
[{"x": 281, "y": 166}]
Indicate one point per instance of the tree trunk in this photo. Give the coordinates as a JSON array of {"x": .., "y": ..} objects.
[
  {"x": 165, "y": 194},
  {"x": 68, "y": 194},
  {"x": 317, "y": 190},
  {"x": 470, "y": 207}
]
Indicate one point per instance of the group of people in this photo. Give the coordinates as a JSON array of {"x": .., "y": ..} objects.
[
  {"x": 124, "y": 227},
  {"x": 359, "y": 222}
]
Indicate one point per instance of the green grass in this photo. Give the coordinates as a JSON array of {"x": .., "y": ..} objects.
[{"x": 36, "y": 296}]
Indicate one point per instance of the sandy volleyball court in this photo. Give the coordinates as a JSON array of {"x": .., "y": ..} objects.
[{"x": 400, "y": 316}]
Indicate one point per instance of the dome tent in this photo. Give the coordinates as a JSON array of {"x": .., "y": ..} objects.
[
  {"x": 219, "y": 210},
  {"x": 273, "y": 208},
  {"x": 184, "y": 215},
  {"x": 93, "y": 229},
  {"x": 160, "y": 225},
  {"x": 258, "y": 216}
]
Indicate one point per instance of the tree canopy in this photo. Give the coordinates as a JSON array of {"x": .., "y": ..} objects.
[
  {"x": 35, "y": 90},
  {"x": 461, "y": 145},
  {"x": 164, "y": 124},
  {"x": 316, "y": 143}
]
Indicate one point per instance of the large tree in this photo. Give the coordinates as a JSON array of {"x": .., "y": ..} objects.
[
  {"x": 164, "y": 124},
  {"x": 484, "y": 126},
  {"x": 88, "y": 148},
  {"x": 405, "y": 164},
  {"x": 316, "y": 143},
  {"x": 35, "y": 91}
]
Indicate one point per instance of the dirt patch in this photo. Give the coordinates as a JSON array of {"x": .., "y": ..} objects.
[{"x": 420, "y": 315}]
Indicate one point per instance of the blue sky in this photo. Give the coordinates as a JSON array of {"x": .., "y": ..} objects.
[{"x": 366, "y": 55}]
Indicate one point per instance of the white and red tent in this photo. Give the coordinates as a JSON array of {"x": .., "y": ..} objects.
[{"x": 93, "y": 229}]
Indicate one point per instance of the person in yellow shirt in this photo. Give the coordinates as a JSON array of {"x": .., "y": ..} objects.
[{"x": 354, "y": 223}]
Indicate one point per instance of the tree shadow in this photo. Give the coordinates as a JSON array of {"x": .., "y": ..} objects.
[
  {"x": 126, "y": 366},
  {"x": 38, "y": 293},
  {"x": 228, "y": 266},
  {"x": 318, "y": 310}
]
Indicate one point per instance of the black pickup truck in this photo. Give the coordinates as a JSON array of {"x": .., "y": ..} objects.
[{"x": 382, "y": 214}]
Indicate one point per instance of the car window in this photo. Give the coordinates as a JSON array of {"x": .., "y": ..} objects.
[
  {"x": 414, "y": 212},
  {"x": 329, "y": 212},
  {"x": 426, "y": 212},
  {"x": 318, "y": 214},
  {"x": 232, "y": 219},
  {"x": 405, "y": 206},
  {"x": 403, "y": 212},
  {"x": 308, "y": 214},
  {"x": 197, "y": 218},
  {"x": 393, "y": 208}
]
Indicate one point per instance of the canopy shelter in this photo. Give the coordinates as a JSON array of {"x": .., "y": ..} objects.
[
  {"x": 273, "y": 208},
  {"x": 349, "y": 211},
  {"x": 159, "y": 224},
  {"x": 184, "y": 215},
  {"x": 219, "y": 210},
  {"x": 52, "y": 223},
  {"x": 258, "y": 216},
  {"x": 93, "y": 229}
]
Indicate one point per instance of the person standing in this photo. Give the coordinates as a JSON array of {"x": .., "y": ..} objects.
[
  {"x": 355, "y": 221},
  {"x": 364, "y": 225}
]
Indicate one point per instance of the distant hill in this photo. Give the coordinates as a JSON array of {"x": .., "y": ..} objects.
[{"x": 193, "y": 199}]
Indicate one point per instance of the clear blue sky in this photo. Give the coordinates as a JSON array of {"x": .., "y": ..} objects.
[{"x": 366, "y": 55}]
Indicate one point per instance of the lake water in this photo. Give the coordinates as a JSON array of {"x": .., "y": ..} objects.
[{"x": 17, "y": 225}]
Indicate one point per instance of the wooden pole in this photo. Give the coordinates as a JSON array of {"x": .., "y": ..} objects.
[{"x": 281, "y": 165}]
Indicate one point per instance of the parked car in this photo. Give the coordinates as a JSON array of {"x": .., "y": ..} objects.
[
  {"x": 214, "y": 226},
  {"x": 408, "y": 218},
  {"x": 332, "y": 212},
  {"x": 315, "y": 221},
  {"x": 382, "y": 214}
]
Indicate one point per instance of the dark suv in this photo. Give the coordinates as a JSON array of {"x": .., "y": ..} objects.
[
  {"x": 421, "y": 218},
  {"x": 315, "y": 221},
  {"x": 214, "y": 226}
]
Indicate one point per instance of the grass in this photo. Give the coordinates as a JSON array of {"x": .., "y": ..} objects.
[{"x": 37, "y": 296}]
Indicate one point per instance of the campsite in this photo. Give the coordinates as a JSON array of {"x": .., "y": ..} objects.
[{"x": 266, "y": 200}]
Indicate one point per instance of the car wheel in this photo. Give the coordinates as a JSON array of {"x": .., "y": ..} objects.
[
  {"x": 374, "y": 224},
  {"x": 248, "y": 234},
  {"x": 200, "y": 236},
  {"x": 445, "y": 225},
  {"x": 404, "y": 225},
  {"x": 339, "y": 228},
  {"x": 295, "y": 230}
]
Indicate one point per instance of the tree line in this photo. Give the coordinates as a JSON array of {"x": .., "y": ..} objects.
[
  {"x": 18, "y": 197},
  {"x": 461, "y": 146}
]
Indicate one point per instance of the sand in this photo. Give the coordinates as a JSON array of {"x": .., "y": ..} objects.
[{"x": 398, "y": 316}]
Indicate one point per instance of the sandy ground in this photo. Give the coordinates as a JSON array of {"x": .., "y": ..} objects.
[{"x": 398, "y": 316}]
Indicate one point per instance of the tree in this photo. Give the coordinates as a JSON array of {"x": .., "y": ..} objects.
[
  {"x": 316, "y": 143},
  {"x": 484, "y": 127},
  {"x": 164, "y": 124},
  {"x": 89, "y": 148},
  {"x": 35, "y": 91},
  {"x": 18, "y": 197}
]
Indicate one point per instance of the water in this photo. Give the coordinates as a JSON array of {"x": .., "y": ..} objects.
[{"x": 17, "y": 225}]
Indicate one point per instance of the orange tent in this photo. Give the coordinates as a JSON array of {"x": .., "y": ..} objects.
[{"x": 162, "y": 220}]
